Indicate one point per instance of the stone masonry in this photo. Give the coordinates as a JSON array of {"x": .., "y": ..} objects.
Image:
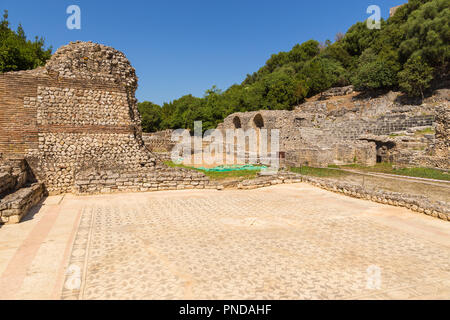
[
  {"x": 19, "y": 191},
  {"x": 78, "y": 122},
  {"x": 344, "y": 127}
]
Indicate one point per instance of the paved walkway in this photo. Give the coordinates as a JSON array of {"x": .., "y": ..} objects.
[{"x": 282, "y": 242}]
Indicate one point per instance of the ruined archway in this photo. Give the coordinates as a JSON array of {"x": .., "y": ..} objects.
[
  {"x": 237, "y": 123},
  {"x": 384, "y": 149},
  {"x": 258, "y": 121}
]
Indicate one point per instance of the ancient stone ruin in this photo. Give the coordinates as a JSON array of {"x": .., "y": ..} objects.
[
  {"x": 76, "y": 125},
  {"x": 341, "y": 127},
  {"x": 73, "y": 126}
]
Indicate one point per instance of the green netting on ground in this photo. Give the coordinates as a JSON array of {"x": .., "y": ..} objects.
[{"x": 235, "y": 167}]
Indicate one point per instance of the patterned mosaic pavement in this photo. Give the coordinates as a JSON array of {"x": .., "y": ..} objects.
[{"x": 282, "y": 242}]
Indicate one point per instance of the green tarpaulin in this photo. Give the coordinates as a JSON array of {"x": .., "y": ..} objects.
[{"x": 235, "y": 167}]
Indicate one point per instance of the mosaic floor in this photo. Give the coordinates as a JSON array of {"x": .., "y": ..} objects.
[{"x": 283, "y": 242}]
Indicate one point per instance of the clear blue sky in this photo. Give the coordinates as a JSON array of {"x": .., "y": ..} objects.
[{"x": 187, "y": 46}]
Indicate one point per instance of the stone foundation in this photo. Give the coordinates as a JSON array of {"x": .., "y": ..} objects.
[{"x": 155, "y": 179}]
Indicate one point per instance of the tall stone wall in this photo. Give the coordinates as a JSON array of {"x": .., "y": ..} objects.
[{"x": 75, "y": 115}]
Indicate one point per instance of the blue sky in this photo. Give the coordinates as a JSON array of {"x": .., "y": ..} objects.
[{"x": 182, "y": 47}]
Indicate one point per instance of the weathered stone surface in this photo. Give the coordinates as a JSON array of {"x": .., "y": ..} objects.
[
  {"x": 18, "y": 191},
  {"x": 333, "y": 129},
  {"x": 82, "y": 117}
]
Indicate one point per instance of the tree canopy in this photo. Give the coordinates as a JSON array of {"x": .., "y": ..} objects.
[{"x": 18, "y": 53}]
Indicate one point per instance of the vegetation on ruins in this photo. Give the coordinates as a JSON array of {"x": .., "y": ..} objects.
[
  {"x": 224, "y": 175},
  {"x": 389, "y": 168},
  {"x": 409, "y": 52},
  {"x": 416, "y": 76},
  {"x": 18, "y": 53}
]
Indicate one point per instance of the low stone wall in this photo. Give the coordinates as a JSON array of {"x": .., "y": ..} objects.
[
  {"x": 421, "y": 204},
  {"x": 16, "y": 205},
  {"x": 338, "y": 91},
  {"x": 19, "y": 191},
  {"x": 155, "y": 179},
  {"x": 360, "y": 152},
  {"x": 14, "y": 174}
]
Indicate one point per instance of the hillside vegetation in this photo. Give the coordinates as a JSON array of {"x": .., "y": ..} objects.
[{"x": 408, "y": 53}]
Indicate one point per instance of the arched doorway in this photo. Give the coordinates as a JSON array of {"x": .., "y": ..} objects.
[
  {"x": 258, "y": 121},
  {"x": 237, "y": 123}
]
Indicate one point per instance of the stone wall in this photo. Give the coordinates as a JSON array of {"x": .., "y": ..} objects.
[
  {"x": 384, "y": 125},
  {"x": 339, "y": 154},
  {"x": 442, "y": 144},
  {"x": 157, "y": 178},
  {"x": 14, "y": 174},
  {"x": 160, "y": 141},
  {"x": 77, "y": 113},
  {"x": 327, "y": 129},
  {"x": 19, "y": 190}
]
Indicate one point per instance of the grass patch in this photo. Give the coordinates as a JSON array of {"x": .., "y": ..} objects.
[
  {"x": 424, "y": 173},
  {"x": 318, "y": 172},
  {"x": 383, "y": 167},
  {"x": 241, "y": 175},
  {"x": 386, "y": 167},
  {"x": 393, "y": 135},
  {"x": 424, "y": 131},
  {"x": 234, "y": 175}
]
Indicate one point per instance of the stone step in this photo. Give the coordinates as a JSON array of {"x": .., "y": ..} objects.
[{"x": 16, "y": 205}]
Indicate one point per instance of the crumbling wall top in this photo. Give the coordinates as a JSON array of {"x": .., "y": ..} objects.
[{"x": 92, "y": 61}]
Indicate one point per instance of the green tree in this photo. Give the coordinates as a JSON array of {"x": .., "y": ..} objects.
[
  {"x": 151, "y": 115},
  {"x": 18, "y": 53},
  {"x": 415, "y": 77},
  {"x": 374, "y": 72},
  {"x": 322, "y": 73}
]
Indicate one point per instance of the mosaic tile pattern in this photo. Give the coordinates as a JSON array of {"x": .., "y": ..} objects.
[{"x": 252, "y": 245}]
